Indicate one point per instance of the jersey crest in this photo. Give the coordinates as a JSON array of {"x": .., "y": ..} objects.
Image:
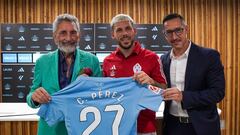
[{"x": 137, "y": 68}]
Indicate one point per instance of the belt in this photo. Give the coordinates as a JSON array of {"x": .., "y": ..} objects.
[
  {"x": 181, "y": 119},
  {"x": 184, "y": 120}
]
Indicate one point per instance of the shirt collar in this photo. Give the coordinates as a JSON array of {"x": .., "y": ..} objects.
[
  {"x": 62, "y": 57},
  {"x": 185, "y": 54},
  {"x": 136, "y": 49}
]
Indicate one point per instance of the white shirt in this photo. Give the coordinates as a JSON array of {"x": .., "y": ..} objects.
[{"x": 177, "y": 77}]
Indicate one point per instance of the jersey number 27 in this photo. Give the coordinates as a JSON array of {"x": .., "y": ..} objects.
[{"x": 97, "y": 117}]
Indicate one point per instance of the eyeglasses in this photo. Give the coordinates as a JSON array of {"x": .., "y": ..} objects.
[{"x": 177, "y": 31}]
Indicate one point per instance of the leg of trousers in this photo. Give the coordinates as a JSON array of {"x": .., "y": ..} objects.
[
  {"x": 153, "y": 133},
  {"x": 174, "y": 127}
]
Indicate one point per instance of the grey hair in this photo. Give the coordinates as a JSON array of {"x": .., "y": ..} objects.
[
  {"x": 68, "y": 18},
  {"x": 119, "y": 18}
]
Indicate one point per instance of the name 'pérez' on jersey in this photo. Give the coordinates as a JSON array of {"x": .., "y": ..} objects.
[{"x": 101, "y": 94}]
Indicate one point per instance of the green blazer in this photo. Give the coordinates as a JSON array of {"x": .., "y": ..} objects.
[{"x": 46, "y": 76}]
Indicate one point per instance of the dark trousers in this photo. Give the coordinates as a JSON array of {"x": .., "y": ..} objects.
[{"x": 173, "y": 126}]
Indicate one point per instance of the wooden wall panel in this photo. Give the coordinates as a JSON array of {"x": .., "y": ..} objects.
[
  {"x": 212, "y": 23},
  {"x": 18, "y": 128}
]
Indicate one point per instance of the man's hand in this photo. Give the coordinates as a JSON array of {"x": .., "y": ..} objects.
[
  {"x": 172, "y": 94},
  {"x": 86, "y": 72},
  {"x": 85, "y": 75},
  {"x": 143, "y": 78},
  {"x": 41, "y": 96}
]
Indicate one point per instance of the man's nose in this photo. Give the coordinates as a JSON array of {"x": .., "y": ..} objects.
[
  {"x": 124, "y": 32},
  {"x": 68, "y": 37},
  {"x": 174, "y": 35}
]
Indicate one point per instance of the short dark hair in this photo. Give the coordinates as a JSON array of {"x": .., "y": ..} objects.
[{"x": 173, "y": 16}]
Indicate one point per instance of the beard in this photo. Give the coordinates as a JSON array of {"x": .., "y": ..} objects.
[
  {"x": 67, "y": 47},
  {"x": 124, "y": 46}
]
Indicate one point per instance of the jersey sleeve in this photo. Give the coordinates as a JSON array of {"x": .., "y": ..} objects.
[
  {"x": 157, "y": 73},
  {"x": 150, "y": 98},
  {"x": 51, "y": 113}
]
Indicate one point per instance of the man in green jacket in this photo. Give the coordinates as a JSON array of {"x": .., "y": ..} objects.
[{"x": 57, "y": 69}]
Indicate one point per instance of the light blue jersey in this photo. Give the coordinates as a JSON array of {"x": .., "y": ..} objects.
[{"x": 100, "y": 106}]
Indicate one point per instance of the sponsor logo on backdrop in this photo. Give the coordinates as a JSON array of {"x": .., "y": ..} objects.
[
  {"x": 21, "y": 29},
  {"x": 88, "y": 47},
  {"x": 50, "y": 29},
  {"x": 154, "y": 37},
  {"x": 8, "y": 47},
  {"x": 102, "y": 27},
  {"x": 87, "y": 38},
  {"x": 7, "y": 86},
  {"x": 20, "y": 77},
  {"x": 7, "y": 69},
  {"x": 142, "y": 28},
  {"x": 35, "y": 38},
  {"x": 21, "y": 86},
  {"x": 48, "y": 47},
  {"x": 155, "y": 28},
  {"x": 21, "y": 38},
  {"x": 21, "y": 95},
  {"x": 8, "y": 28},
  {"x": 8, "y": 38},
  {"x": 48, "y": 38},
  {"x": 141, "y": 37},
  {"x": 34, "y": 29},
  {"x": 102, "y": 46},
  {"x": 20, "y": 70}
]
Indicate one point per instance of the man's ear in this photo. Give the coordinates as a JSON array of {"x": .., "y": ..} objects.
[
  {"x": 79, "y": 35},
  {"x": 112, "y": 34},
  {"x": 54, "y": 37},
  {"x": 135, "y": 31},
  {"x": 187, "y": 29}
]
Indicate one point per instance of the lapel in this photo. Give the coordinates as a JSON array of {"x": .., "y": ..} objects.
[
  {"x": 78, "y": 64},
  {"x": 168, "y": 62},
  {"x": 55, "y": 69},
  {"x": 190, "y": 66},
  {"x": 166, "y": 68}
]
